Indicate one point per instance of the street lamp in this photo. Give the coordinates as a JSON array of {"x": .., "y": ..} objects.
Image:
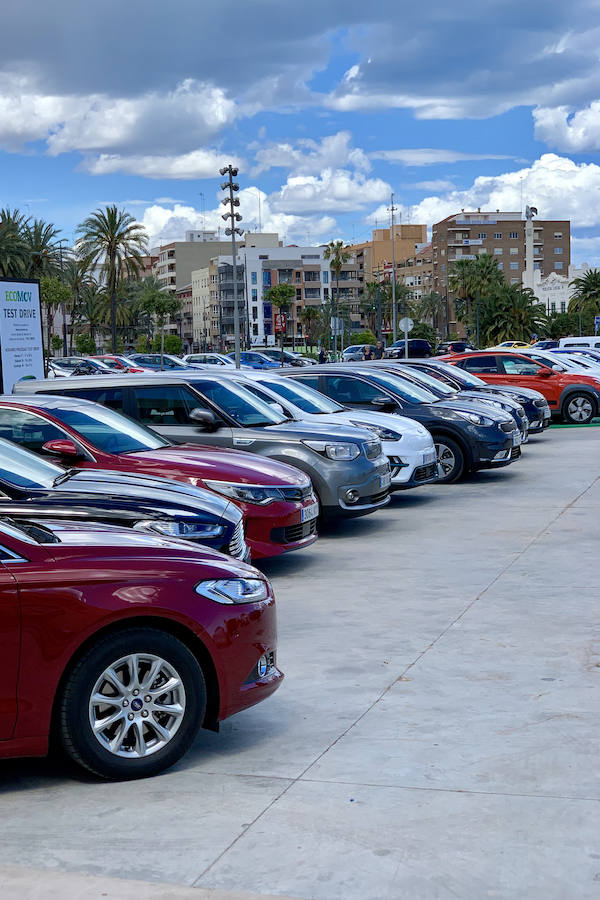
[{"x": 232, "y": 202}]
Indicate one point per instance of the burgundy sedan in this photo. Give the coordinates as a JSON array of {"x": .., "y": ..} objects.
[
  {"x": 278, "y": 503},
  {"x": 123, "y": 644}
]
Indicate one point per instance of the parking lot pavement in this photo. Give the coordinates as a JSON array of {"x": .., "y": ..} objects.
[{"x": 437, "y": 733}]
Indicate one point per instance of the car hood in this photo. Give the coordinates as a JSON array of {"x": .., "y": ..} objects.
[
  {"x": 484, "y": 397},
  {"x": 305, "y": 431},
  {"x": 506, "y": 389},
  {"x": 359, "y": 418},
  {"x": 221, "y": 465},
  {"x": 472, "y": 406}
]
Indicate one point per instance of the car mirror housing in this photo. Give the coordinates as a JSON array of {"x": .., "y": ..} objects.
[
  {"x": 204, "y": 418},
  {"x": 62, "y": 447},
  {"x": 385, "y": 404}
]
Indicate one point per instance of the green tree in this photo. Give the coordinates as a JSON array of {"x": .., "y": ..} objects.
[
  {"x": 173, "y": 344},
  {"x": 43, "y": 248},
  {"x": 510, "y": 312},
  {"x": 112, "y": 239},
  {"x": 56, "y": 342},
  {"x": 561, "y": 325},
  {"x": 141, "y": 344},
  {"x": 368, "y": 304},
  {"x": 585, "y": 300},
  {"x": 425, "y": 332},
  {"x": 53, "y": 293},
  {"x": 431, "y": 308},
  {"x": 311, "y": 317},
  {"x": 77, "y": 278},
  {"x": 281, "y": 296},
  {"x": 472, "y": 281},
  {"x": 84, "y": 344},
  {"x": 160, "y": 305},
  {"x": 362, "y": 337},
  {"x": 338, "y": 256},
  {"x": 13, "y": 248},
  {"x": 90, "y": 313}
]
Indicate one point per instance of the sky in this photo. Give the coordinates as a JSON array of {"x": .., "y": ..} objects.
[{"x": 326, "y": 108}]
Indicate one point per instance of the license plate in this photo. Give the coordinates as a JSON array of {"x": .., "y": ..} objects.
[
  {"x": 516, "y": 439},
  {"x": 310, "y": 512},
  {"x": 429, "y": 457},
  {"x": 385, "y": 480}
]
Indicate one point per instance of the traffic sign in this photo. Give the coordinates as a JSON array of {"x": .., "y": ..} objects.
[{"x": 406, "y": 324}]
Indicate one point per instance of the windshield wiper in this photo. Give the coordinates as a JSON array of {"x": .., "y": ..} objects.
[{"x": 60, "y": 479}]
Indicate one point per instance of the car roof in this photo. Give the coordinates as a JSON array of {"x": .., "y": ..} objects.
[
  {"x": 120, "y": 380},
  {"x": 46, "y": 401}
]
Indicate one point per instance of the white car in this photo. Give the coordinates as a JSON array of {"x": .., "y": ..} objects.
[
  {"x": 209, "y": 359},
  {"x": 560, "y": 362},
  {"x": 407, "y": 444}
]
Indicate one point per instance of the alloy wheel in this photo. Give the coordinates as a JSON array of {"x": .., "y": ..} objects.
[
  {"x": 445, "y": 459},
  {"x": 580, "y": 409},
  {"x": 137, "y": 705}
]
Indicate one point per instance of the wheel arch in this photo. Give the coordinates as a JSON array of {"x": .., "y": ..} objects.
[
  {"x": 585, "y": 389},
  {"x": 177, "y": 630},
  {"x": 442, "y": 431}
]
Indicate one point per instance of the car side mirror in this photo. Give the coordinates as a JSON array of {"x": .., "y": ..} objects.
[
  {"x": 548, "y": 373},
  {"x": 277, "y": 407},
  {"x": 385, "y": 404},
  {"x": 62, "y": 447},
  {"x": 205, "y": 418}
]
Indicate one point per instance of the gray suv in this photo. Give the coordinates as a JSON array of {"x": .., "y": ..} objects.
[{"x": 346, "y": 465}]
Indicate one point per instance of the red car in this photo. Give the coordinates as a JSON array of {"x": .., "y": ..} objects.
[
  {"x": 279, "y": 506},
  {"x": 123, "y": 644},
  {"x": 118, "y": 363},
  {"x": 571, "y": 396}
]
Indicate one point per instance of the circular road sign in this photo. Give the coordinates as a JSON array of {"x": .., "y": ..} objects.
[{"x": 406, "y": 324}]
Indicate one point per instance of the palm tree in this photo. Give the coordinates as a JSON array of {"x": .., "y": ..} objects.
[
  {"x": 90, "y": 312},
  {"x": 43, "y": 249},
  {"x": 13, "y": 249},
  {"x": 112, "y": 239},
  {"x": 311, "y": 318},
  {"x": 368, "y": 305},
  {"x": 511, "y": 312},
  {"x": 281, "y": 295},
  {"x": 460, "y": 283},
  {"x": 473, "y": 279},
  {"x": 338, "y": 257},
  {"x": 586, "y": 296},
  {"x": 430, "y": 308},
  {"x": 77, "y": 277}
]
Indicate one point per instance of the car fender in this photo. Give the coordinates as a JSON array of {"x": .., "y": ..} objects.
[
  {"x": 590, "y": 390},
  {"x": 457, "y": 436}
]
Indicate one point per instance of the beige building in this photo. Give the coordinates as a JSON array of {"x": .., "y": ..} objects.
[
  {"x": 376, "y": 254},
  {"x": 416, "y": 272}
]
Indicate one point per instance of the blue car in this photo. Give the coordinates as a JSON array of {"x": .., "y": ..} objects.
[
  {"x": 255, "y": 360},
  {"x": 152, "y": 361}
]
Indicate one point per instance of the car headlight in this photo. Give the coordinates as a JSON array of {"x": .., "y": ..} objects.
[
  {"x": 173, "y": 528},
  {"x": 384, "y": 434},
  {"x": 234, "y": 590},
  {"x": 476, "y": 419},
  {"x": 247, "y": 493},
  {"x": 335, "y": 449}
]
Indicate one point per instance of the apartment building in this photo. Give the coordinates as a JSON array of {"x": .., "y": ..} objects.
[
  {"x": 467, "y": 235},
  {"x": 416, "y": 272},
  {"x": 183, "y": 321},
  {"x": 374, "y": 255}
]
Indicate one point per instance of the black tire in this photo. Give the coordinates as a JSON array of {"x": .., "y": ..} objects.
[
  {"x": 448, "y": 451},
  {"x": 579, "y": 409},
  {"x": 75, "y": 729}
]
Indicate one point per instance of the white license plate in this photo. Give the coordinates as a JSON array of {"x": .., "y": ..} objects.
[
  {"x": 385, "y": 480},
  {"x": 516, "y": 439},
  {"x": 429, "y": 457},
  {"x": 310, "y": 512}
]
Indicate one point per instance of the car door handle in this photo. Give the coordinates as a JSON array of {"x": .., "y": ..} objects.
[{"x": 242, "y": 442}]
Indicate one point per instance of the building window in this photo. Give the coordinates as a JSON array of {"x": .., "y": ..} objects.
[
  {"x": 325, "y": 276},
  {"x": 558, "y": 251},
  {"x": 497, "y": 251},
  {"x": 514, "y": 265},
  {"x": 514, "y": 280},
  {"x": 558, "y": 235},
  {"x": 500, "y": 265},
  {"x": 563, "y": 306},
  {"x": 443, "y": 267},
  {"x": 255, "y": 313},
  {"x": 255, "y": 330},
  {"x": 498, "y": 235},
  {"x": 253, "y": 278},
  {"x": 267, "y": 278},
  {"x": 263, "y": 256},
  {"x": 514, "y": 235},
  {"x": 553, "y": 307},
  {"x": 482, "y": 235},
  {"x": 558, "y": 265},
  {"x": 254, "y": 295},
  {"x": 536, "y": 265},
  {"x": 514, "y": 251}
]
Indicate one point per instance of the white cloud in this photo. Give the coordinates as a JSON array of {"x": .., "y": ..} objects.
[
  {"x": 437, "y": 185},
  {"x": 335, "y": 190},
  {"x": 427, "y": 156},
  {"x": 575, "y": 132},
  {"x": 310, "y": 157},
  {"x": 557, "y": 186},
  {"x": 197, "y": 164},
  {"x": 586, "y": 250}
]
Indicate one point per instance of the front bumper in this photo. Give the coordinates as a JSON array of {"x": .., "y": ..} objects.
[
  {"x": 362, "y": 497},
  {"x": 413, "y": 468},
  {"x": 281, "y": 527},
  {"x": 500, "y": 450}
]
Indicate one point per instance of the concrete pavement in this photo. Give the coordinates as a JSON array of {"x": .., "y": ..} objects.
[{"x": 436, "y": 736}]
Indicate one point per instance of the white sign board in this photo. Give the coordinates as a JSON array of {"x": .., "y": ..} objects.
[
  {"x": 406, "y": 324},
  {"x": 20, "y": 332}
]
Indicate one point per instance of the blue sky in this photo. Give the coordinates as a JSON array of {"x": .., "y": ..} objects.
[{"x": 327, "y": 109}]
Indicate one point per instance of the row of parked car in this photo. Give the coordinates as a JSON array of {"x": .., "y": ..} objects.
[{"x": 134, "y": 503}]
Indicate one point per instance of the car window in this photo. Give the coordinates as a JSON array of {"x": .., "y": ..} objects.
[
  {"x": 311, "y": 381},
  {"x": 110, "y": 431},
  {"x": 168, "y": 405},
  {"x": 243, "y": 407},
  {"x": 20, "y": 468},
  {"x": 27, "y": 429},
  {"x": 110, "y": 397},
  {"x": 520, "y": 367},
  {"x": 485, "y": 364},
  {"x": 345, "y": 389},
  {"x": 303, "y": 397}
]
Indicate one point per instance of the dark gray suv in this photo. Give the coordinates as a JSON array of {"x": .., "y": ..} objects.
[{"x": 348, "y": 469}]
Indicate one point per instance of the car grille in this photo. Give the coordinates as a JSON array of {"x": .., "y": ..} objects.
[
  {"x": 294, "y": 533},
  {"x": 508, "y": 427},
  {"x": 237, "y": 545},
  {"x": 297, "y": 493},
  {"x": 375, "y": 498},
  {"x": 515, "y": 453},
  {"x": 423, "y": 473},
  {"x": 373, "y": 449}
]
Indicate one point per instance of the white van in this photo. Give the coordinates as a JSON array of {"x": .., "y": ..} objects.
[{"x": 586, "y": 342}]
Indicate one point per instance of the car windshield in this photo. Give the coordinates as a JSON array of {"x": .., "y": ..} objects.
[
  {"x": 413, "y": 393},
  {"x": 303, "y": 397},
  {"x": 110, "y": 431},
  {"x": 463, "y": 377},
  {"x": 243, "y": 407},
  {"x": 22, "y": 469},
  {"x": 546, "y": 359},
  {"x": 435, "y": 384}
]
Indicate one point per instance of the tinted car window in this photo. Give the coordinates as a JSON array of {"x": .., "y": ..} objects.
[
  {"x": 311, "y": 381},
  {"x": 27, "y": 429},
  {"x": 350, "y": 390},
  {"x": 22, "y": 469},
  {"x": 168, "y": 405},
  {"x": 520, "y": 367},
  {"x": 486, "y": 364},
  {"x": 303, "y": 397},
  {"x": 110, "y": 431},
  {"x": 240, "y": 404},
  {"x": 110, "y": 397}
]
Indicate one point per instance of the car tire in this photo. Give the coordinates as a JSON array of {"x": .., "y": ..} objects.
[
  {"x": 450, "y": 458},
  {"x": 578, "y": 409},
  {"x": 140, "y": 729}
]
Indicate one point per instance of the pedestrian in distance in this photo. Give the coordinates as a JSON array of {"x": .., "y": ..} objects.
[
  {"x": 368, "y": 353},
  {"x": 379, "y": 350},
  {"x": 323, "y": 355}
]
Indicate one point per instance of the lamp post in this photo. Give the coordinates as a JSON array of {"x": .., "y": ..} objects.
[
  {"x": 394, "y": 325},
  {"x": 232, "y": 187}
]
